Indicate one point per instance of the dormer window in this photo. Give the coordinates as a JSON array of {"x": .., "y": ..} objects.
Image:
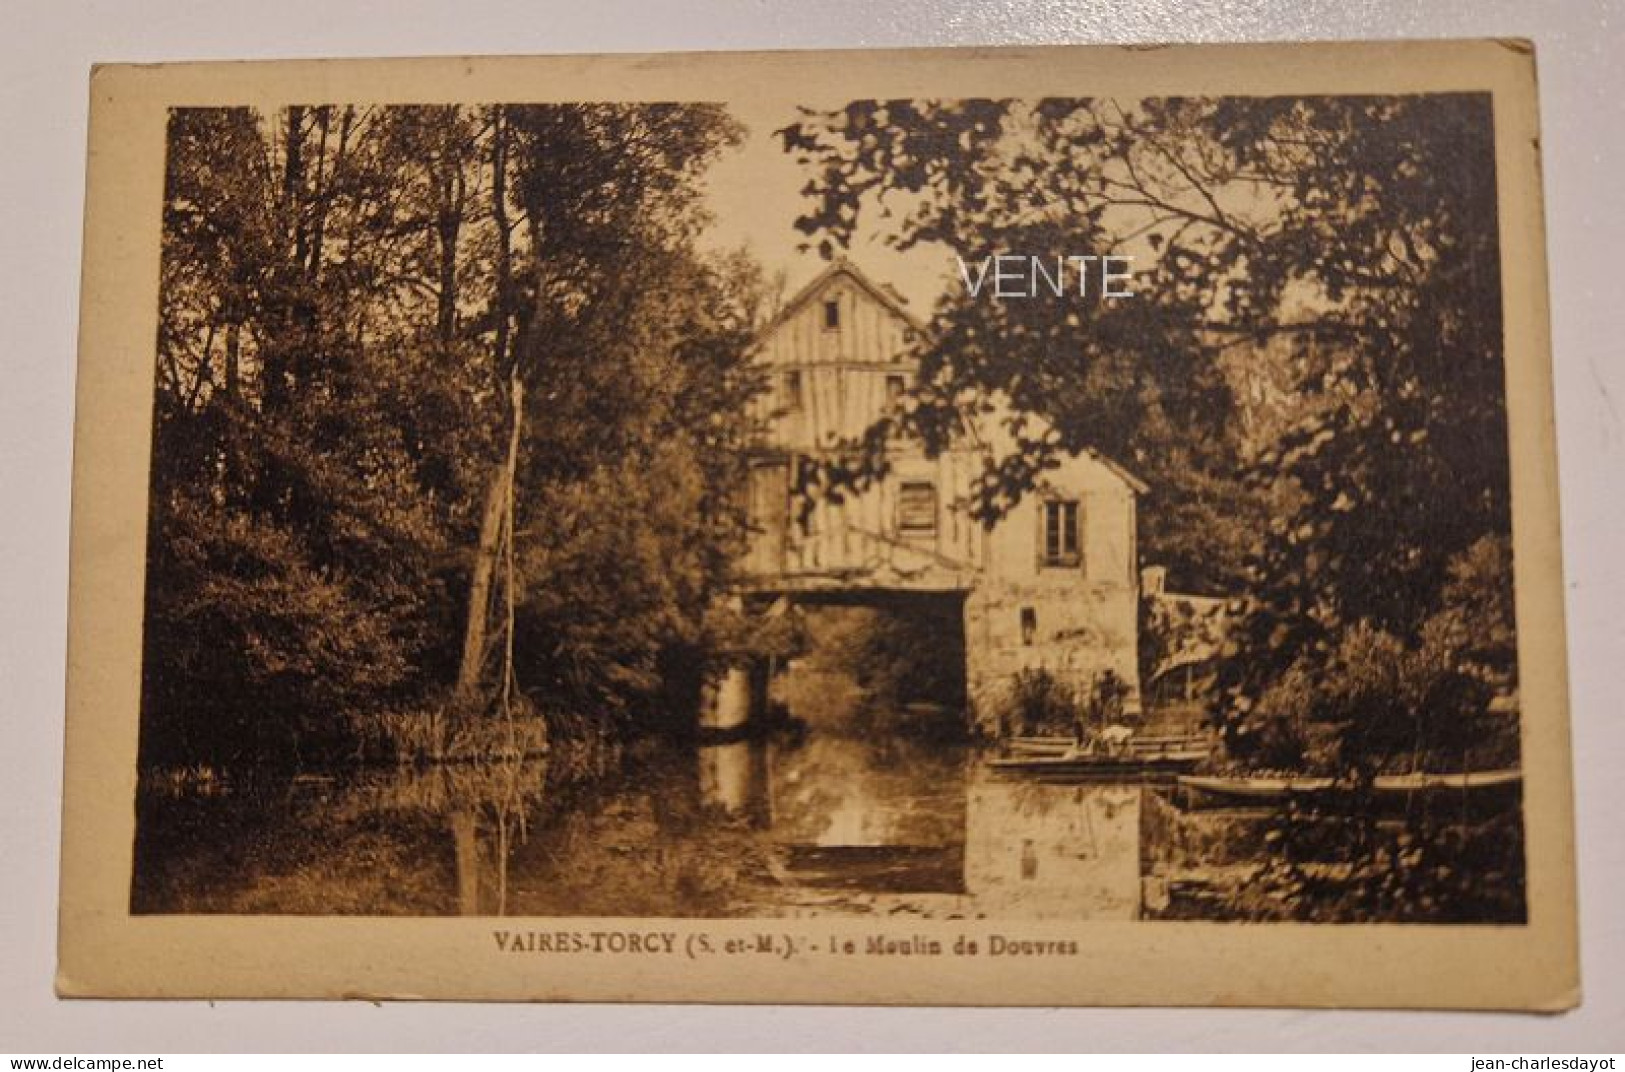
[{"x": 832, "y": 315}]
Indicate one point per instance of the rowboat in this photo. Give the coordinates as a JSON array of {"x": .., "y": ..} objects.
[
  {"x": 1463, "y": 781},
  {"x": 1139, "y": 746},
  {"x": 1168, "y": 762},
  {"x": 1061, "y": 755},
  {"x": 1255, "y": 789}
]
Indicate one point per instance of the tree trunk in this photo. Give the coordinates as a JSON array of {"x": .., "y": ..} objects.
[
  {"x": 479, "y": 586},
  {"x": 448, "y": 225},
  {"x": 499, "y": 215},
  {"x": 494, "y": 520},
  {"x": 495, "y": 523}
]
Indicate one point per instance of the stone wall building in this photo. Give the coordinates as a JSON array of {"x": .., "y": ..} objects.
[{"x": 1053, "y": 584}]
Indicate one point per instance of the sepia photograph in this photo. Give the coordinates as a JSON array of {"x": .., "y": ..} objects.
[{"x": 962, "y": 519}]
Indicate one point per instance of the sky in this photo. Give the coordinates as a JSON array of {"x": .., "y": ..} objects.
[{"x": 754, "y": 193}]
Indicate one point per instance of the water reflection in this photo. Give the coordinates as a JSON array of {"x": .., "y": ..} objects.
[
  {"x": 1047, "y": 851},
  {"x": 834, "y": 790},
  {"x": 893, "y": 821},
  {"x": 734, "y": 777},
  {"x": 826, "y": 824}
]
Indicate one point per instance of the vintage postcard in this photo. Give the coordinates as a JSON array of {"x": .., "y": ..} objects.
[{"x": 1013, "y": 526}]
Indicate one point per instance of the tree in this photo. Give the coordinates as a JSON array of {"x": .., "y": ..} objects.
[
  {"x": 288, "y": 542},
  {"x": 421, "y": 369},
  {"x": 630, "y": 354},
  {"x": 1352, "y": 240}
]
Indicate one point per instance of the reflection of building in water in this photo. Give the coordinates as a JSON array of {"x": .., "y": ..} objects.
[
  {"x": 837, "y": 790},
  {"x": 1036, "y": 850},
  {"x": 845, "y": 813},
  {"x": 735, "y": 777},
  {"x": 909, "y": 826}
]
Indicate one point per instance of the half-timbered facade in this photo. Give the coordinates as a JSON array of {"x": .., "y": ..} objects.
[{"x": 1052, "y": 584}]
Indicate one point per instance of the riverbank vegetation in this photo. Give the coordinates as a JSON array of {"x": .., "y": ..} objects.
[
  {"x": 1309, "y": 376},
  {"x": 451, "y": 424},
  {"x": 449, "y": 417}
]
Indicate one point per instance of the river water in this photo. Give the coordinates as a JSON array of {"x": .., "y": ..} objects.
[{"x": 832, "y": 821}]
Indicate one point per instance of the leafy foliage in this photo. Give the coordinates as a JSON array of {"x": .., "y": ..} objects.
[
  {"x": 1310, "y": 377},
  {"x": 1337, "y": 254},
  {"x": 1341, "y": 868},
  {"x": 1041, "y": 703},
  {"x": 346, "y": 293}
]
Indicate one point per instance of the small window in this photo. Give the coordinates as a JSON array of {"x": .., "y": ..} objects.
[
  {"x": 895, "y": 386},
  {"x": 792, "y": 391},
  {"x": 1029, "y": 625},
  {"x": 832, "y": 315},
  {"x": 1060, "y": 535},
  {"x": 917, "y": 508}
]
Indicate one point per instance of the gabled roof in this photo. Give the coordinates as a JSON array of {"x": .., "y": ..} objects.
[
  {"x": 1140, "y": 487},
  {"x": 841, "y": 266},
  {"x": 889, "y": 298},
  {"x": 1134, "y": 483}
]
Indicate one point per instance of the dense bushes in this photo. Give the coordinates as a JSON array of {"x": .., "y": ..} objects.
[{"x": 350, "y": 300}]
